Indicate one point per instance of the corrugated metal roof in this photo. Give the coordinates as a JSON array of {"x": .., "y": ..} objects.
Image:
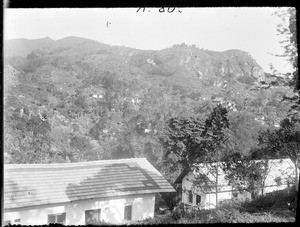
[{"x": 38, "y": 184}]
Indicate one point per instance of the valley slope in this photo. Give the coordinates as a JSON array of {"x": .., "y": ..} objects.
[{"x": 76, "y": 99}]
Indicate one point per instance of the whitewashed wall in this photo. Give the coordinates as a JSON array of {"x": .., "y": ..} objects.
[
  {"x": 208, "y": 200},
  {"x": 112, "y": 210},
  {"x": 277, "y": 168}
]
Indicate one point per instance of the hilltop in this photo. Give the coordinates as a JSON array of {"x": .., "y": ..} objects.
[
  {"x": 181, "y": 65},
  {"x": 77, "y": 99}
]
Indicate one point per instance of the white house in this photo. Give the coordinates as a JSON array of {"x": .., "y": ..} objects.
[
  {"x": 111, "y": 191},
  {"x": 279, "y": 174}
]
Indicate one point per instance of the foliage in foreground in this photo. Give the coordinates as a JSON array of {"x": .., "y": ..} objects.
[
  {"x": 222, "y": 215},
  {"x": 278, "y": 206},
  {"x": 277, "y": 202}
]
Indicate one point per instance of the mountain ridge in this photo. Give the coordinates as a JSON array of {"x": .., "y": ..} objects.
[
  {"x": 81, "y": 39},
  {"x": 189, "y": 58},
  {"x": 85, "y": 99}
]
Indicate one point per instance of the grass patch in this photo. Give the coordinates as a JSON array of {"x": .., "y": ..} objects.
[
  {"x": 278, "y": 206},
  {"x": 280, "y": 202}
]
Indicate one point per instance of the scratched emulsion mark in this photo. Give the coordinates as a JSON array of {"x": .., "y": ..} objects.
[{"x": 108, "y": 23}]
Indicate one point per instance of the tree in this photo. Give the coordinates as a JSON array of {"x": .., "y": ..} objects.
[
  {"x": 214, "y": 145},
  {"x": 190, "y": 141},
  {"x": 27, "y": 139},
  {"x": 283, "y": 143},
  {"x": 181, "y": 139},
  {"x": 248, "y": 172},
  {"x": 243, "y": 173},
  {"x": 243, "y": 132},
  {"x": 288, "y": 28}
]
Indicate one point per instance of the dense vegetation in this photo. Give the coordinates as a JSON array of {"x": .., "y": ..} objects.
[
  {"x": 75, "y": 100},
  {"x": 278, "y": 206},
  {"x": 79, "y": 100}
]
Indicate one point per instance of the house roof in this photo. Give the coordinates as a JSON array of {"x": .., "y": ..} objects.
[
  {"x": 283, "y": 168},
  {"x": 182, "y": 175},
  {"x": 39, "y": 184}
]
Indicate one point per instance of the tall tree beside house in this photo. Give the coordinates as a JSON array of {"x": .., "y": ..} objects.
[
  {"x": 243, "y": 173},
  {"x": 192, "y": 139},
  {"x": 214, "y": 145},
  {"x": 189, "y": 141},
  {"x": 214, "y": 134},
  {"x": 180, "y": 140}
]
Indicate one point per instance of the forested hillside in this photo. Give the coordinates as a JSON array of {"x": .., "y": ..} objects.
[{"x": 76, "y": 99}]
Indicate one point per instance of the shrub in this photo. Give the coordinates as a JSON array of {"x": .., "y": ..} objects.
[
  {"x": 166, "y": 219},
  {"x": 232, "y": 215},
  {"x": 139, "y": 59},
  {"x": 222, "y": 215},
  {"x": 165, "y": 71},
  {"x": 178, "y": 212},
  {"x": 277, "y": 200},
  {"x": 272, "y": 207},
  {"x": 245, "y": 80}
]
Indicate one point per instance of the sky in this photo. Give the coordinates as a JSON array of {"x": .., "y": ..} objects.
[{"x": 249, "y": 29}]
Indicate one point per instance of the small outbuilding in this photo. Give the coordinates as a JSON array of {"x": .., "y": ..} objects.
[
  {"x": 279, "y": 175},
  {"x": 109, "y": 191}
]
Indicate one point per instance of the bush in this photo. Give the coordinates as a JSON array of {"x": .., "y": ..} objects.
[
  {"x": 233, "y": 215},
  {"x": 245, "y": 80},
  {"x": 222, "y": 215},
  {"x": 277, "y": 200},
  {"x": 166, "y": 219},
  {"x": 179, "y": 211},
  {"x": 168, "y": 199},
  {"x": 165, "y": 71},
  {"x": 139, "y": 59},
  {"x": 278, "y": 206}
]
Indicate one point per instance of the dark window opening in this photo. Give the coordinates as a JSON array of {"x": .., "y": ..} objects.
[
  {"x": 234, "y": 194},
  {"x": 128, "y": 213},
  {"x": 57, "y": 218},
  {"x": 198, "y": 199},
  {"x": 190, "y": 197},
  {"x": 93, "y": 217},
  {"x": 178, "y": 193}
]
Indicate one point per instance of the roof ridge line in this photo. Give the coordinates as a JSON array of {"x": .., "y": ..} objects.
[{"x": 71, "y": 163}]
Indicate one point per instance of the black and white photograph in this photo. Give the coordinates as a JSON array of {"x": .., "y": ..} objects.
[{"x": 148, "y": 116}]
